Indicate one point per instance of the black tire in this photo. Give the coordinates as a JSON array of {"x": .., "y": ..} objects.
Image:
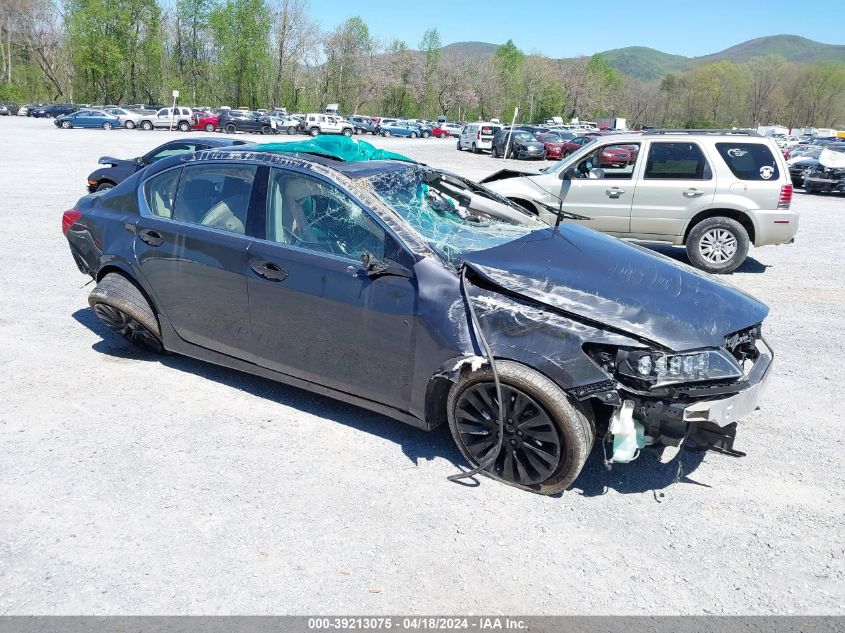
[
  {"x": 105, "y": 186},
  {"x": 494, "y": 152},
  {"x": 314, "y": 131},
  {"x": 123, "y": 308},
  {"x": 266, "y": 129},
  {"x": 426, "y": 134},
  {"x": 291, "y": 130},
  {"x": 385, "y": 134},
  {"x": 347, "y": 132},
  {"x": 562, "y": 429},
  {"x": 474, "y": 149},
  {"x": 460, "y": 149},
  {"x": 209, "y": 127},
  {"x": 66, "y": 125},
  {"x": 129, "y": 125},
  {"x": 146, "y": 125},
  {"x": 413, "y": 135},
  {"x": 717, "y": 245},
  {"x": 184, "y": 126},
  {"x": 107, "y": 126},
  {"x": 230, "y": 128}
]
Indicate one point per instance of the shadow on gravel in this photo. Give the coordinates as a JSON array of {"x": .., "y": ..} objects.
[
  {"x": 416, "y": 444},
  {"x": 750, "y": 265},
  {"x": 642, "y": 475}
]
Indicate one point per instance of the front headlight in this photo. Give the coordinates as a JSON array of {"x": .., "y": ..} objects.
[{"x": 658, "y": 369}]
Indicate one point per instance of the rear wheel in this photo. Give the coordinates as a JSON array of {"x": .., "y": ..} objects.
[
  {"x": 347, "y": 132},
  {"x": 230, "y": 128},
  {"x": 292, "y": 130},
  {"x": 717, "y": 245},
  {"x": 266, "y": 129},
  {"x": 130, "y": 125},
  {"x": 426, "y": 134},
  {"x": 474, "y": 149},
  {"x": 546, "y": 436},
  {"x": 123, "y": 308},
  {"x": 413, "y": 135},
  {"x": 494, "y": 152},
  {"x": 315, "y": 131}
]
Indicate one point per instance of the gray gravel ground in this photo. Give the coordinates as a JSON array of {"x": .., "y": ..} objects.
[{"x": 131, "y": 484}]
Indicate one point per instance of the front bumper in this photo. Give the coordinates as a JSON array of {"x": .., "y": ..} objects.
[{"x": 726, "y": 411}]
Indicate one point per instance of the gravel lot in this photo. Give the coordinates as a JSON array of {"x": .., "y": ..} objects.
[{"x": 131, "y": 484}]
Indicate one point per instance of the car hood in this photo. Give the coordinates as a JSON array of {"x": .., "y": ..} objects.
[{"x": 603, "y": 280}]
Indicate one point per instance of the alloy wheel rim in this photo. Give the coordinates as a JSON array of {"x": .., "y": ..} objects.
[
  {"x": 128, "y": 327},
  {"x": 718, "y": 245},
  {"x": 532, "y": 444}
]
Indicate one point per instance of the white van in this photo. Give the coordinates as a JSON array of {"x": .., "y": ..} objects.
[{"x": 478, "y": 136}]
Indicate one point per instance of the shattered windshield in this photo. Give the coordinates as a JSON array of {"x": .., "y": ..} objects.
[{"x": 452, "y": 216}]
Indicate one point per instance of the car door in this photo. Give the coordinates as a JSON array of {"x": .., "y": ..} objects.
[
  {"x": 191, "y": 247},
  {"x": 676, "y": 183},
  {"x": 602, "y": 188},
  {"x": 162, "y": 118},
  {"x": 315, "y": 313}
]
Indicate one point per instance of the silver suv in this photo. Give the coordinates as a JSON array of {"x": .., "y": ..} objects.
[{"x": 714, "y": 191}]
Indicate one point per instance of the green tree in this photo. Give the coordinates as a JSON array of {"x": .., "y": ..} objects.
[{"x": 241, "y": 32}]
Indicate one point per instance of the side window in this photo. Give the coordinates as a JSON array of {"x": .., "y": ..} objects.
[
  {"x": 215, "y": 195},
  {"x": 162, "y": 112},
  {"x": 160, "y": 192},
  {"x": 749, "y": 161},
  {"x": 677, "y": 161},
  {"x": 309, "y": 213},
  {"x": 171, "y": 149},
  {"x": 615, "y": 162}
]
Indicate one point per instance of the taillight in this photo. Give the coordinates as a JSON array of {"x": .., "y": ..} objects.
[
  {"x": 69, "y": 218},
  {"x": 479, "y": 136},
  {"x": 785, "y": 197}
]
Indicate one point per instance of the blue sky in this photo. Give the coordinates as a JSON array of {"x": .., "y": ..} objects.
[{"x": 564, "y": 28}]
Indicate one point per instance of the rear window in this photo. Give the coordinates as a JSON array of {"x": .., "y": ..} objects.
[
  {"x": 749, "y": 161},
  {"x": 488, "y": 130}
]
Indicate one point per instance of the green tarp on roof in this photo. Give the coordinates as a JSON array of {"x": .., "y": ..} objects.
[{"x": 341, "y": 147}]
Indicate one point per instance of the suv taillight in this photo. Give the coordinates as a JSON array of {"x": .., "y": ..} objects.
[
  {"x": 479, "y": 135},
  {"x": 69, "y": 218},
  {"x": 785, "y": 197}
]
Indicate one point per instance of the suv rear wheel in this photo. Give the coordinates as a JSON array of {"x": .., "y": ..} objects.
[
  {"x": 717, "y": 245},
  {"x": 314, "y": 131},
  {"x": 547, "y": 437},
  {"x": 347, "y": 132},
  {"x": 230, "y": 128}
]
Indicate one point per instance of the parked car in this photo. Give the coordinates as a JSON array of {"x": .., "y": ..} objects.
[
  {"x": 128, "y": 119},
  {"x": 714, "y": 192},
  {"x": 553, "y": 143},
  {"x": 477, "y": 136},
  {"x": 321, "y": 123},
  {"x": 117, "y": 170},
  {"x": 231, "y": 121},
  {"x": 9, "y": 108},
  {"x": 26, "y": 110},
  {"x": 87, "y": 118},
  {"x": 178, "y": 118},
  {"x": 400, "y": 129},
  {"x": 425, "y": 129},
  {"x": 450, "y": 129},
  {"x": 362, "y": 124},
  {"x": 52, "y": 111},
  {"x": 517, "y": 144},
  {"x": 828, "y": 174},
  {"x": 285, "y": 124},
  {"x": 524, "y": 340},
  {"x": 576, "y": 143},
  {"x": 205, "y": 121}
]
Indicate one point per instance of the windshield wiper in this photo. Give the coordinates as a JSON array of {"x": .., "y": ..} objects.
[{"x": 559, "y": 212}]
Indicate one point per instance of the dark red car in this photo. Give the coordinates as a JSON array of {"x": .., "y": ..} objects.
[
  {"x": 553, "y": 142},
  {"x": 573, "y": 145},
  {"x": 205, "y": 121}
]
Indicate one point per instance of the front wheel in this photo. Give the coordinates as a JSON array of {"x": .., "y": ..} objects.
[
  {"x": 385, "y": 134},
  {"x": 146, "y": 125},
  {"x": 291, "y": 130},
  {"x": 347, "y": 132},
  {"x": 209, "y": 127},
  {"x": 459, "y": 146},
  {"x": 413, "y": 135},
  {"x": 717, "y": 245},
  {"x": 184, "y": 126},
  {"x": 546, "y": 436},
  {"x": 230, "y": 128},
  {"x": 474, "y": 149},
  {"x": 266, "y": 129},
  {"x": 425, "y": 134},
  {"x": 315, "y": 131},
  {"x": 66, "y": 125},
  {"x": 494, "y": 152},
  {"x": 105, "y": 186},
  {"x": 124, "y": 309},
  {"x": 107, "y": 126}
]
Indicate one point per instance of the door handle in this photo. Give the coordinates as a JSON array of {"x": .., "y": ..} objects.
[
  {"x": 614, "y": 192},
  {"x": 693, "y": 193},
  {"x": 269, "y": 270},
  {"x": 153, "y": 238}
]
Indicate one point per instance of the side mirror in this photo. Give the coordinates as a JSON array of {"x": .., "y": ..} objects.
[
  {"x": 139, "y": 161},
  {"x": 567, "y": 174},
  {"x": 375, "y": 267}
]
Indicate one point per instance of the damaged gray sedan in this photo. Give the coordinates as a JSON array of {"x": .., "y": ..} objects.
[{"x": 423, "y": 296}]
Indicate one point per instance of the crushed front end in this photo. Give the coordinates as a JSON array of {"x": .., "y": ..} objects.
[{"x": 692, "y": 398}]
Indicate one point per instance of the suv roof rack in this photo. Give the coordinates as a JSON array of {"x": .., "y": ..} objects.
[{"x": 738, "y": 132}]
